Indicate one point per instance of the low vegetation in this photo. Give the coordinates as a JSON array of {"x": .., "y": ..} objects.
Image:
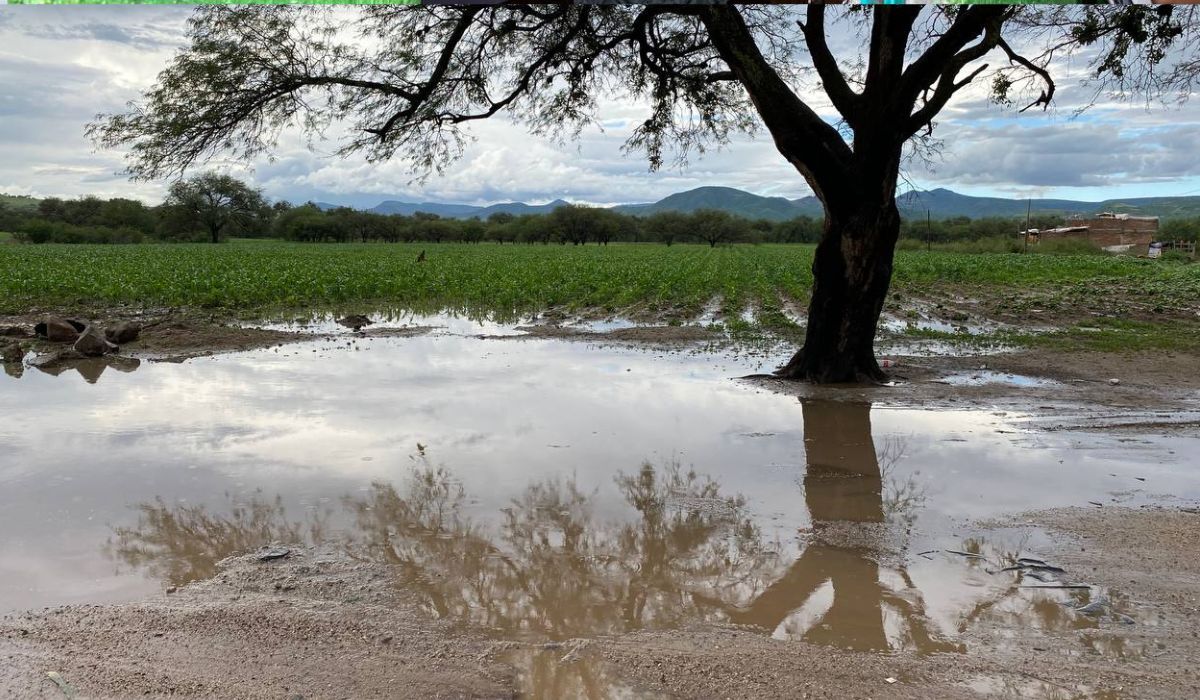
[{"x": 670, "y": 284}]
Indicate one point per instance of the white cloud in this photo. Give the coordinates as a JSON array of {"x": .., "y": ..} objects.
[{"x": 62, "y": 66}]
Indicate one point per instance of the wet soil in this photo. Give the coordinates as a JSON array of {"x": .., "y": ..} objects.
[{"x": 320, "y": 624}]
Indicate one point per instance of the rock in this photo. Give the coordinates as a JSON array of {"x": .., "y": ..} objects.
[
  {"x": 273, "y": 553},
  {"x": 122, "y": 332},
  {"x": 15, "y": 332},
  {"x": 58, "y": 330},
  {"x": 1114, "y": 381},
  {"x": 92, "y": 344},
  {"x": 11, "y": 351},
  {"x": 355, "y": 321}
]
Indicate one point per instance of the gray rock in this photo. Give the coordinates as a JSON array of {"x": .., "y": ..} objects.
[
  {"x": 122, "y": 332},
  {"x": 92, "y": 344},
  {"x": 11, "y": 351}
]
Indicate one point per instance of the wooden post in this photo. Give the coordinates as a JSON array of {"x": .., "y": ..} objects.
[{"x": 928, "y": 232}]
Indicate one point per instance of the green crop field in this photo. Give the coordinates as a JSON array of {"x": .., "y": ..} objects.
[{"x": 673, "y": 282}]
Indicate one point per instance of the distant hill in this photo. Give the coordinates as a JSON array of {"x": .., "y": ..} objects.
[
  {"x": 727, "y": 199},
  {"x": 464, "y": 211},
  {"x": 18, "y": 201},
  {"x": 941, "y": 204}
]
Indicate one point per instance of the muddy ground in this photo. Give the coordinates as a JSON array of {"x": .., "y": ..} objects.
[{"x": 318, "y": 624}]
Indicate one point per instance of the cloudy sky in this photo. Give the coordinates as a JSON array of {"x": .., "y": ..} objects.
[{"x": 62, "y": 65}]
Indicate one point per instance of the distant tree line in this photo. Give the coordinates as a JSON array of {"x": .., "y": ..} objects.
[
  {"x": 214, "y": 207},
  {"x": 566, "y": 225}
]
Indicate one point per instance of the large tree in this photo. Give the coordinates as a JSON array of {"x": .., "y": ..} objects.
[
  {"x": 216, "y": 204},
  {"x": 407, "y": 80}
]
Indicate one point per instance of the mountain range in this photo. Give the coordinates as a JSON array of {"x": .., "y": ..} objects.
[{"x": 940, "y": 203}]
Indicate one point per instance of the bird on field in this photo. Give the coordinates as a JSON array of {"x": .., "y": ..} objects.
[{"x": 421, "y": 257}]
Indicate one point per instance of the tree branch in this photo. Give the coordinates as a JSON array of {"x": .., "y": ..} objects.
[
  {"x": 845, "y": 100},
  {"x": 947, "y": 82},
  {"x": 813, "y": 146},
  {"x": 439, "y": 70},
  {"x": 1014, "y": 57}
]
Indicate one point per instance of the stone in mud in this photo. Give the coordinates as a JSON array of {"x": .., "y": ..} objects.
[
  {"x": 122, "y": 332},
  {"x": 355, "y": 321},
  {"x": 273, "y": 553},
  {"x": 58, "y": 330},
  {"x": 15, "y": 332},
  {"x": 92, "y": 344}
]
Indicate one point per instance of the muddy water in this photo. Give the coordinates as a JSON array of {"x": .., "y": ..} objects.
[{"x": 540, "y": 489}]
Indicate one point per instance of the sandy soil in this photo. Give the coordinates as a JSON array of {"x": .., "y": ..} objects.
[{"x": 317, "y": 624}]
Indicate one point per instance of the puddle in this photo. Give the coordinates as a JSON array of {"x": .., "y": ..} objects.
[
  {"x": 984, "y": 376},
  {"x": 381, "y": 323},
  {"x": 917, "y": 347},
  {"x": 561, "y": 672},
  {"x": 1030, "y": 688},
  {"x": 895, "y": 324},
  {"x": 605, "y": 325},
  {"x": 553, "y": 491}
]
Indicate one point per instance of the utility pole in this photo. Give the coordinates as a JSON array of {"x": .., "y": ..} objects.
[{"x": 1028, "y": 212}]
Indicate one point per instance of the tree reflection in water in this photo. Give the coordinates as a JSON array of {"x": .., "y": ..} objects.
[
  {"x": 551, "y": 568},
  {"x": 834, "y": 593},
  {"x": 179, "y": 543}
]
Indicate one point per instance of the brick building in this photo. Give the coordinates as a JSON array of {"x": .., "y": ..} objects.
[{"x": 1116, "y": 232}]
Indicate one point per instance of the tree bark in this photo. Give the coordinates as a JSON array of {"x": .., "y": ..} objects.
[{"x": 852, "y": 269}]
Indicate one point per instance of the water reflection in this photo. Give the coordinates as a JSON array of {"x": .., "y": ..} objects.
[
  {"x": 565, "y": 673},
  {"x": 181, "y": 543},
  {"x": 835, "y": 593},
  {"x": 90, "y": 368},
  {"x": 551, "y": 568}
]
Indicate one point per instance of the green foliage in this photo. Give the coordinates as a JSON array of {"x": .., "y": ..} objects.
[
  {"x": 1184, "y": 229},
  {"x": 42, "y": 231}
]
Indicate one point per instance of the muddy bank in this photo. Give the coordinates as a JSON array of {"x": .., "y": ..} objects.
[
  {"x": 318, "y": 624},
  {"x": 165, "y": 336}
]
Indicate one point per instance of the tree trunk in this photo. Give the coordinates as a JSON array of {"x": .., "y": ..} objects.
[{"x": 852, "y": 269}]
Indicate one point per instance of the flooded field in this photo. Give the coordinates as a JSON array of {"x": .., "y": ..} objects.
[{"x": 537, "y": 489}]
